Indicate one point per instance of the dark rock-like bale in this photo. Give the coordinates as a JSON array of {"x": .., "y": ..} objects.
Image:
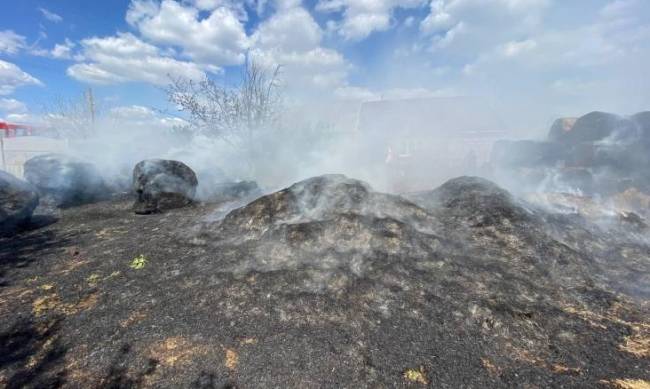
[
  {"x": 162, "y": 184},
  {"x": 478, "y": 200},
  {"x": 319, "y": 203},
  {"x": 596, "y": 126},
  {"x": 316, "y": 198},
  {"x": 560, "y": 128},
  {"x": 18, "y": 199},
  {"x": 65, "y": 181},
  {"x": 527, "y": 153}
]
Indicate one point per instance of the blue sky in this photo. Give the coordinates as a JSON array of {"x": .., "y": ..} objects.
[{"x": 543, "y": 58}]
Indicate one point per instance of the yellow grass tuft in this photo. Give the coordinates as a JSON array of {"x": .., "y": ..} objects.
[
  {"x": 232, "y": 359},
  {"x": 138, "y": 262},
  {"x": 416, "y": 375},
  {"x": 628, "y": 383}
]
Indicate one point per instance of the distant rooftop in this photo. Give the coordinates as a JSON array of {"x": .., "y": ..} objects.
[{"x": 443, "y": 116}]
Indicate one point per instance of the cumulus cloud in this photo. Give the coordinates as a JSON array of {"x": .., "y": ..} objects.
[
  {"x": 292, "y": 38},
  {"x": 124, "y": 57},
  {"x": 514, "y": 48},
  {"x": 472, "y": 25},
  {"x": 361, "y": 17},
  {"x": 10, "y": 42},
  {"x": 59, "y": 51},
  {"x": 63, "y": 50},
  {"x": 218, "y": 39},
  {"x": 169, "y": 30},
  {"x": 12, "y": 77},
  {"x": 144, "y": 117},
  {"x": 49, "y": 15},
  {"x": 617, "y": 36},
  {"x": 363, "y": 94},
  {"x": 12, "y": 106}
]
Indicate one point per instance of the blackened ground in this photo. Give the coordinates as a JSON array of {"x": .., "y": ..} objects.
[{"x": 370, "y": 290}]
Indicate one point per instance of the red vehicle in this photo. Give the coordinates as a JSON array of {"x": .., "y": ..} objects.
[{"x": 10, "y": 130}]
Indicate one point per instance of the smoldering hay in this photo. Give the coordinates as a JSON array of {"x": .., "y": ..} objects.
[{"x": 328, "y": 282}]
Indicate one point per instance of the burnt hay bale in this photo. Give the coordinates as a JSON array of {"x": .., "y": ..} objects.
[
  {"x": 65, "y": 181},
  {"x": 475, "y": 199},
  {"x": 18, "y": 199},
  {"x": 560, "y": 127},
  {"x": 162, "y": 184},
  {"x": 596, "y": 126}
]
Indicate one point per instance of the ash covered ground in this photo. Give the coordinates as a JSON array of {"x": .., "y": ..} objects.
[{"x": 328, "y": 283}]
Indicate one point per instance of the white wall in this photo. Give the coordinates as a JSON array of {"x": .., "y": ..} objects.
[{"x": 15, "y": 151}]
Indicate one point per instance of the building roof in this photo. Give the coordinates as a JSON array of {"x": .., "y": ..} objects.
[{"x": 440, "y": 116}]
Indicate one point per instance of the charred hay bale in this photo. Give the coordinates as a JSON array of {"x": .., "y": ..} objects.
[
  {"x": 326, "y": 223},
  {"x": 327, "y": 201},
  {"x": 162, "y": 184},
  {"x": 65, "y": 181},
  {"x": 560, "y": 127},
  {"x": 316, "y": 198},
  {"x": 596, "y": 126},
  {"x": 18, "y": 199},
  {"x": 478, "y": 200}
]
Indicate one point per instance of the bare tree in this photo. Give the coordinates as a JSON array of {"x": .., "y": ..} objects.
[
  {"x": 73, "y": 117},
  {"x": 235, "y": 114}
]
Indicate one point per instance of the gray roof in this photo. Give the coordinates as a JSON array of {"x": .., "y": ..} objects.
[{"x": 443, "y": 116}]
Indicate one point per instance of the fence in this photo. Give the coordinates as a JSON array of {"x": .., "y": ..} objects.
[{"x": 14, "y": 152}]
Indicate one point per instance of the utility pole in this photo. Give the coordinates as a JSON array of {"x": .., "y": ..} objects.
[
  {"x": 91, "y": 105},
  {"x": 91, "y": 108},
  {"x": 2, "y": 150}
]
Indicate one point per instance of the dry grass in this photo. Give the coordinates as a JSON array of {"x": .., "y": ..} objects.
[
  {"x": 418, "y": 375},
  {"x": 637, "y": 344},
  {"x": 52, "y": 302},
  {"x": 627, "y": 383},
  {"x": 231, "y": 359},
  {"x": 491, "y": 367},
  {"x": 134, "y": 317},
  {"x": 176, "y": 351}
]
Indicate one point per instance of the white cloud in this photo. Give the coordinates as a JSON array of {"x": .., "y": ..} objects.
[
  {"x": 59, "y": 51},
  {"x": 362, "y": 17},
  {"x": 144, "y": 117},
  {"x": 219, "y": 39},
  {"x": 292, "y": 38},
  {"x": 51, "y": 16},
  {"x": 20, "y": 118},
  {"x": 363, "y": 94},
  {"x": 125, "y": 58},
  {"x": 10, "y": 42},
  {"x": 12, "y": 106},
  {"x": 289, "y": 30},
  {"x": 514, "y": 48},
  {"x": 355, "y": 93},
  {"x": 12, "y": 77},
  {"x": 616, "y": 38},
  {"x": 63, "y": 50},
  {"x": 483, "y": 23}
]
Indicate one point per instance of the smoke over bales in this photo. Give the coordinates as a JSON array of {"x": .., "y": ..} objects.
[
  {"x": 363, "y": 284},
  {"x": 597, "y": 154},
  {"x": 474, "y": 200},
  {"x": 64, "y": 180},
  {"x": 328, "y": 223}
]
